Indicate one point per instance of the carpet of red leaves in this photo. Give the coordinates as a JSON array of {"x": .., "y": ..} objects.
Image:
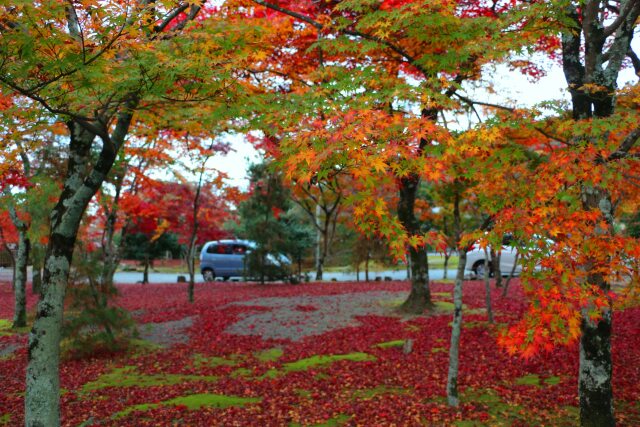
[{"x": 394, "y": 389}]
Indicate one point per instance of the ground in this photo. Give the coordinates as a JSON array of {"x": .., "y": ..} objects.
[{"x": 324, "y": 354}]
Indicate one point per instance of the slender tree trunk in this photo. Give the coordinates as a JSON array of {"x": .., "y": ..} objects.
[
  {"x": 487, "y": 286},
  {"x": 110, "y": 256},
  {"x": 456, "y": 328},
  {"x": 319, "y": 258},
  {"x": 9, "y": 254},
  {"x": 20, "y": 270},
  {"x": 36, "y": 272},
  {"x": 511, "y": 273},
  {"x": 145, "y": 273},
  {"x": 497, "y": 273},
  {"x": 366, "y": 266},
  {"x": 20, "y": 284},
  {"x": 447, "y": 255},
  {"x": 420, "y": 297}
]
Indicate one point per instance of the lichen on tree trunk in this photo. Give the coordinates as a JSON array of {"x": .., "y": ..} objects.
[{"x": 594, "y": 379}]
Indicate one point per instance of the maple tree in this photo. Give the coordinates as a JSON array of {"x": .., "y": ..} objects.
[
  {"x": 350, "y": 71},
  {"x": 93, "y": 68},
  {"x": 581, "y": 170}
]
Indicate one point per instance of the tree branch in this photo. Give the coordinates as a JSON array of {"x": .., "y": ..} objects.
[
  {"x": 291, "y": 13},
  {"x": 622, "y": 15},
  {"x": 170, "y": 17},
  {"x": 634, "y": 60},
  {"x": 627, "y": 144}
]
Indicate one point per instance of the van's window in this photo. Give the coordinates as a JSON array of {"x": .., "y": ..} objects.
[
  {"x": 224, "y": 249},
  {"x": 239, "y": 249},
  {"x": 212, "y": 249}
]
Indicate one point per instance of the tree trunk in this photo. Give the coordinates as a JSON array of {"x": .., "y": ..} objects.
[
  {"x": 20, "y": 270},
  {"x": 145, "y": 273},
  {"x": 42, "y": 406},
  {"x": 366, "y": 266},
  {"x": 447, "y": 255},
  {"x": 36, "y": 272},
  {"x": 110, "y": 256},
  {"x": 319, "y": 252},
  {"x": 497, "y": 273},
  {"x": 456, "y": 327},
  {"x": 511, "y": 273},
  {"x": 487, "y": 285},
  {"x": 20, "y": 283},
  {"x": 594, "y": 380},
  {"x": 589, "y": 57},
  {"x": 420, "y": 297}
]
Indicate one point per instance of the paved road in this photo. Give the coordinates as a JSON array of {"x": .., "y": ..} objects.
[
  {"x": 128, "y": 277},
  {"x": 134, "y": 277}
]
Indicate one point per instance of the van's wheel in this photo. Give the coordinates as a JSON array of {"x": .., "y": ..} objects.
[
  {"x": 478, "y": 269},
  {"x": 208, "y": 275}
]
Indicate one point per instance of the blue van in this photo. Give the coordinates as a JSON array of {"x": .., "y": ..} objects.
[{"x": 225, "y": 259}]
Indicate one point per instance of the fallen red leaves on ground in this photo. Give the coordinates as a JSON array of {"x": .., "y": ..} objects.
[{"x": 388, "y": 387}]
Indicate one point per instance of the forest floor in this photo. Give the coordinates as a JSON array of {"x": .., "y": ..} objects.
[{"x": 324, "y": 354}]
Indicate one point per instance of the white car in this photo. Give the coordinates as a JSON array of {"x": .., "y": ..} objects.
[{"x": 476, "y": 259}]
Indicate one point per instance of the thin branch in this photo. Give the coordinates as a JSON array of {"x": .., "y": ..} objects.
[
  {"x": 291, "y": 13},
  {"x": 634, "y": 60},
  {"x": 627, "y": 144},
  {"x": 390, "y": 45},
  {"x": 170, "y": 17},
  {"x": 608, "y": 31},
  {"x": 484, "y": 104}
]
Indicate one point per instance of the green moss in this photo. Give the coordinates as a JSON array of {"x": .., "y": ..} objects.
[
  {"x": 270, "y": 355},
  {"x": 532, "y": 380},
  {"x": 303, "y": 393},
  {"x": 395, "y": 302},
  {"x": 446, "y": 306},
  {"x": 6, "y": 329},
  {"x": 439, "y": 350},
  {"x": 241, "y": 372},
  {"x": 5, "y": 419},
  {"x": 128, "y": 377},
  {"x": 197, "y": 401},
  {"x": 335, "y": 421},
  {"x": 338, "y": 420},
  {"x": 388, "y": 344},
  {"x": 441, "y": 294},
  {"x": 412, "y": 328},
  {"x": 307, "y": 363},
  {"x": 370, "y": 393},
  {"x": 504, "y": 413},
  {"x": 213, "y": 361},
  {"x": 322, "y": 360},
  {"x": 552, "y": 380},
  {"x": 193, "y": 402}
]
